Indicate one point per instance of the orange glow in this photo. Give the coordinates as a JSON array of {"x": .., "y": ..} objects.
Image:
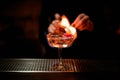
[
  {"x": 64, "y": 22},
  {"x": 68, "y": 28}
]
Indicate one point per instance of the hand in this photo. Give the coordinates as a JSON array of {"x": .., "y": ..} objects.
[
  {"x": 55, "y": 27},
  {"x": 83, "y": 22},
  {"x": 52, "y": 26}
]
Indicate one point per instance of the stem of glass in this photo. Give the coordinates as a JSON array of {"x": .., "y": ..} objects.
[{"x": 59, "y": 55}]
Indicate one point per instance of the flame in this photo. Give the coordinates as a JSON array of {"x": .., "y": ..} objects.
[
  {"x": 64, "y": 22},
  {"x": 68, "y": 28}
]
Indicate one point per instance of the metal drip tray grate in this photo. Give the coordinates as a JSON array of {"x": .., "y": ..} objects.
[
  {"x": 34, "y": 65},
  {"x": 44, "y": 65}
]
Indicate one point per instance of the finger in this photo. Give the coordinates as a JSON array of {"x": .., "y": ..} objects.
[
  {"x": 86, "y": 26},
  {"x": 57, "y": 16},
  {"x": 82, "y": 22},
  {"x": 55, "y": 23},
  {"x": 85, "y": 18},
  {"x": 51, "y": 28},
  {"x": 78, "y": 24},
  {"x": 82, "y": 27},
  {"x": 90, "y": 26},
  {"x": 78, "y": 19}
]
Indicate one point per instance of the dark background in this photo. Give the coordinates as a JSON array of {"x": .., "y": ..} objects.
[
  {"x": 103, "y": 42},
  {"x": 72, "y": 8},
  {"x": 87, "y": 45}
]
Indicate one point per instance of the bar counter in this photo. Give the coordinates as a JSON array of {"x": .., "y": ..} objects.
[{"x": 40, "y": 69}]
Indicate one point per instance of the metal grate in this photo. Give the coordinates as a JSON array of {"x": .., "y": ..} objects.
[{"x": 44, "y": 65}]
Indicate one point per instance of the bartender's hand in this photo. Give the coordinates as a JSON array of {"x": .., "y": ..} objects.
[
  {"x": 82, "y": 22},
  {"x": 52, "y": 26}
]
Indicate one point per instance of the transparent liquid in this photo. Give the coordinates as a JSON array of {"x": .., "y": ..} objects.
[{"x": 60, "y": 40}]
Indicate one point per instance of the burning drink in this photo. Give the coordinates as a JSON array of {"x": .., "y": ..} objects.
[
  {"x": 62, "y": 37},
  {"x": 60, "y": 40}
]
